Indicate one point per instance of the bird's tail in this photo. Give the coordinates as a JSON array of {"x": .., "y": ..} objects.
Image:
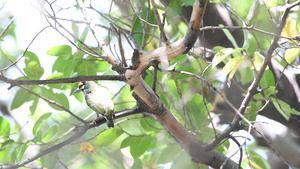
[{"x": 109, "y": 121}]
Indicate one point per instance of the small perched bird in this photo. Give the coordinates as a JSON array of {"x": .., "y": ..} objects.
[{"x": 97, "y": 98}]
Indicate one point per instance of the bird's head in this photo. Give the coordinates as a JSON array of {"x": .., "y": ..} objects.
[{"x": 82, "y": 86}]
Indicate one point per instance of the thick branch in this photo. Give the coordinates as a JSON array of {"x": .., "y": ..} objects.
[{"x": 142, "y": 60}]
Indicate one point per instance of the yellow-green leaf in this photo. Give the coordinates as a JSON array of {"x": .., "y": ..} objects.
[
  {"x": 64, "y": 51},
  {"x": 289, "y": 29},
  {"x": 258, "y": 60},
  {"x": 220, "y": 56},
  {"x": 232, "y": 64},
  {"x": 291, "y": 54}
]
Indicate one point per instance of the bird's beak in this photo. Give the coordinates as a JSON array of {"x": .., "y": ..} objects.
[{"x": 77, "y": 90}]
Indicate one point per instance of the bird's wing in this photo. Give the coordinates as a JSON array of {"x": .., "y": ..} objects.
[{"x": 100, "y": 101}]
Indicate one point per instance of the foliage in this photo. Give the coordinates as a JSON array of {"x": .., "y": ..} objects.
[{"x": 137, "y": 141}]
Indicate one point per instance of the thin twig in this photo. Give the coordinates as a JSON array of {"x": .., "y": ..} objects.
[
  {"x": 96, "y": 33},
  {"x": 13, "y": 82},
  {"x": 185, "y": 112},
  {"x": 247, "y": 28},
  {"x": 5, "y": 68},
  {"x": 54, "y": 103},
  {"x": 161, "y": 25},
  {"x": 216, "y": 90},
  {"x": 8, "y": 25},
  {"x": 204, "y": 102}
]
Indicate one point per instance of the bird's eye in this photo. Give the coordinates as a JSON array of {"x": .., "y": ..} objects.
[{"x": 81, "y": 86}]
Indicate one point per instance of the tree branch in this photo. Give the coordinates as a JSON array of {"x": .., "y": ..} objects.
[
  {"x": 54, "y": 103},
  {"x": 14, "y": 83},
  {"x": 142, "y": 60},
  {"x": 78, "y": 132}
]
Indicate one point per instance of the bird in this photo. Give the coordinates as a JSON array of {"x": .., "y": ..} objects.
[{"x": 98, "y": 99}]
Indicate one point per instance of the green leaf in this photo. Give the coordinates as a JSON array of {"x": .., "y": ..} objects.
[
  {"x": 267, "y": 79},
  {"x": 83, "y": 36},
  {"x": 222, "y": 54},
  {"x": 206, "y": 135},
  {"x": 186, "y": 69},
  {"x": 198, "y": 112},
  {"x": 169, "y": 153},
  {"x": 50, "y": 160},
  {"x": 57, "y": 97},
  {"x": 34, "y": 105},
  {"x": 64, "y": 51},
  {"x": 56, "y": 76},
  {"x": 222, "y": 148},
  {"x": 245, "y": 76},
  {"x": 257, "y": 161},
  {"x": 6, "y": 155},
  {"x": 137, "y": 27},
  {"x": 137, "y": 164},
  {"x": 269, "y": 91},
  {"x": 291, "y": 54},
  {"x": 21, "y": 97},
  {"x": 50, "y": 134},
  {"x": 127, "y": 142},
  {"x": 39, "y": 121},
  {"x": 232, "y": 65},
  {"x": 75, "y": 30},
  {"x": 254, "y": 107},
  {"x": 133, "y": 127},
  {"x": 22, "y": 151},
  {"x": 33, "y": 67},
  {"x": 102, "y": 66},
  {"x": 173, "y": 18},
  {"x": 86, "y": 69},
  {"x": 235, "y": 68},
  {"x": 150, "y": 124},
  {"x": 61, "y": 86},
  {"x": 246, "y": 39},
  {"x": 108, "y": 137},
  {"x": 252, "y": 46},
  {"x": 14, "y": 156},
  {"x": 140, "y": 145},
  {"x": 6, "y": 143},
  {"x": 188, "y": 2},
  {"x": 59, "y": 65},
  {"x": 283, "y": 108},
  {"x": 229, "y": 36},
  {"x": 183, "y": 161},
  {"x": 38, "y": 136},
  {"x": 4, "y": 127}
]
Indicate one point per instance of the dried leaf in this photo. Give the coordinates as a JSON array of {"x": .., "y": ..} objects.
[{"x": 87, "y": 147}]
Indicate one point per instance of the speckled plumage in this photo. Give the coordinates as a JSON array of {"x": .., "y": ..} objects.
[{"x": 97, "y": 98}]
